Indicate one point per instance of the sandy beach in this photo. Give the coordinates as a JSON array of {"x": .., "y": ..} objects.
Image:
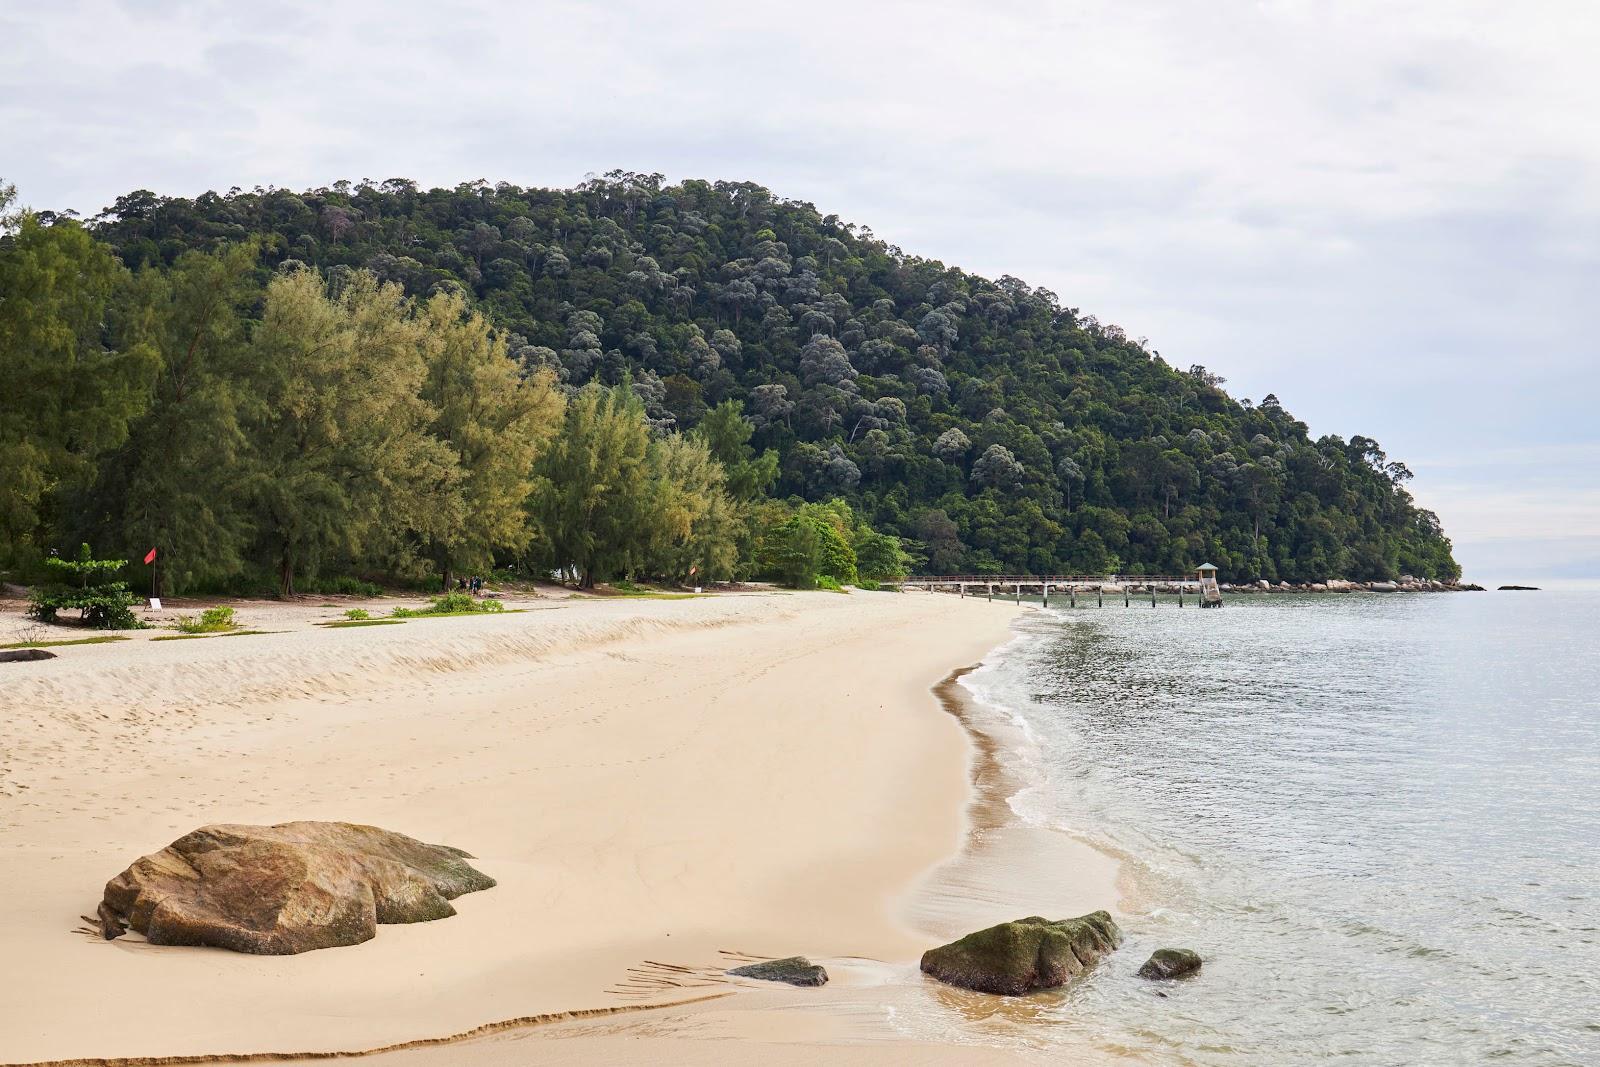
[{"x": 652, "y": 782}]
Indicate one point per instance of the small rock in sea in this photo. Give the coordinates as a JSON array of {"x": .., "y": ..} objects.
[
  {"x": 1170, "y": 963},
  {"x": 24, "y": 655},
  {"x": 1519, "y": 589},
  {"x": 278, "y": 890},
  {"x": 1022, "y": 956},
  {"x": 795, "y": 970}
]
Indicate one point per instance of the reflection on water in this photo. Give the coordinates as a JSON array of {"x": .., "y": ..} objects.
[{"x": 1376, "y": 817}]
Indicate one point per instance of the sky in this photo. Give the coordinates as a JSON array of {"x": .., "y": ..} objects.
[{"x": 1385, "y": 213}]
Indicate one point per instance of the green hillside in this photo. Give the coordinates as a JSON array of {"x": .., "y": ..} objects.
[{"x": 996, "y": 428}]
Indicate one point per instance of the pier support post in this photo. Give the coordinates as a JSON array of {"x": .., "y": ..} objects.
[
  {"x": 1124, "y": 596},
  {"x": 1072, "y": 592},
  {"x": 991, "y": 592},
  {"x": 1152, "y": 596},
  {"x": 1046, "y": 594},
  {"x": 1180, "y": 596},
  {"x": 1019, "y": 592},
  {"x": 963, "y": 587}
]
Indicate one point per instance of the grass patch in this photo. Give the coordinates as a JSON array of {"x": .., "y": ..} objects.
[
  {"x": 449, "y": 614},
  {"x": 102, "y": 640},
  {"x": 654, "y": 595},
  {"x": 198, "y": 637},
  {"x": 339, "y": 624},
  {"x": 357, "y": 614}
]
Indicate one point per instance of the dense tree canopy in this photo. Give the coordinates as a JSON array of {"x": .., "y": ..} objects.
[{"x": 984, "y": 421}]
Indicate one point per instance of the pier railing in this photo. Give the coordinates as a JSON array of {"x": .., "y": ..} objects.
[{"x": 1070, "y": 586}]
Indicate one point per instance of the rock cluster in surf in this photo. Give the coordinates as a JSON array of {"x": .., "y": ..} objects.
[
  {"x": 1022, "y": 956},
  {"x": 279, "y": 890}
]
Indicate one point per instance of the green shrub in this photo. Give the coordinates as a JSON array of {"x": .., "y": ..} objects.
[
  {"x": 344, "y": 585},
  {"x": 451, "y": 604},
  {"x": 357, "y": 614},
  {"x": 103, "y": 605},
  {"x": 216, "y": 620}
]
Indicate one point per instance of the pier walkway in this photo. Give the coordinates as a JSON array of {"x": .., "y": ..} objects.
[{"x": 1203, "y": 588}]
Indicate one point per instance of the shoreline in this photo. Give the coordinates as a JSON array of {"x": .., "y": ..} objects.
[{"x": 919, "y": 626}]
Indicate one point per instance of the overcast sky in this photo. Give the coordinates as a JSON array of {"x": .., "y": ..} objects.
[{"x": 1386, "y": 213}]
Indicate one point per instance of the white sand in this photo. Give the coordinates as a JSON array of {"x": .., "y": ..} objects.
[{"x": 648, "y": 780}]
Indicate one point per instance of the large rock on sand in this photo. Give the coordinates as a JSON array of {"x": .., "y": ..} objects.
[
  {"x": 1019, "y": 957},
  {"x": 278, "y": 890}
]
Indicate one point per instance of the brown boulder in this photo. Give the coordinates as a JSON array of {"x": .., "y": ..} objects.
[{"x": 278, "y": 890}]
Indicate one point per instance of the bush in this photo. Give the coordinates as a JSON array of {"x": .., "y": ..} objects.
[
  {"x": 451, "y": 604},
  {"x": 211, "y": 621},
  {"x": 344, "y": 585},
  {"x": 358, "y": 614},
  {"x": 102, "y": 605}
]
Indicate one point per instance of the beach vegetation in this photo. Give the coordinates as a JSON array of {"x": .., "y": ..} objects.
[
  {"x": 340, "y": 624},
  {"x": 357, "y": 614},
  {"x": 451, "y": 604},
  {"x": 683, "y": 383},
  {"x": 83, "y": 586},
  {"x": 102, "y": 639},
  {"x": 210, "y": 621}
]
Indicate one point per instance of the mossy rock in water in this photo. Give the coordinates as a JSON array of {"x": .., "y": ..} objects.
[
  {"x": 1022, "y": 956},
  {"x": 795, "y": 970},
  {"x": 1170, "y": 963}
]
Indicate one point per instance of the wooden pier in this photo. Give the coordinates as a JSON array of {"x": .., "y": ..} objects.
[{"x": 1201, "y": 589}]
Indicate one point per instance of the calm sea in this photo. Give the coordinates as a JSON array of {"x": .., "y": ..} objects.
[{"x": 1376, "y": 816}]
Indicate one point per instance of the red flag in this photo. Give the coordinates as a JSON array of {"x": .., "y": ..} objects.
[{"x": 150, "y": 557}]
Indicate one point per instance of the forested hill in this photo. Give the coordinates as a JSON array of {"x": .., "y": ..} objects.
[{"x": 985, "y": 420}]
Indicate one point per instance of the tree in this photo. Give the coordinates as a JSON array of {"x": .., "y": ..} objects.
[
  {"x": 594, "y": 495},
  {"x": 174, "y": 484},
  {"x": 345, "y": 464},
  {"x": 997, "y": 467},
  {"x": 808, "y": 548},
  {"x": 1070, "y": 474},
  {"x": 952, "y": 445},
  {"x": 694, "y": 524},
  {"x": 72, "y": 385},
  {"x": 941, "y": 540},
  {"x": 100, "y": 602},
  {"x": 879, "y": 556},
  {"x": 495, "y": 421},
  {"x": 726, "y": 433}
]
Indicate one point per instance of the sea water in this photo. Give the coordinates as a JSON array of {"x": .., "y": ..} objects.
[{"x": 1376, "y": 817}]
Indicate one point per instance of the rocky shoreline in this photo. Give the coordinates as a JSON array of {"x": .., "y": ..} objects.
[{"x": 1406, "y": 584}]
